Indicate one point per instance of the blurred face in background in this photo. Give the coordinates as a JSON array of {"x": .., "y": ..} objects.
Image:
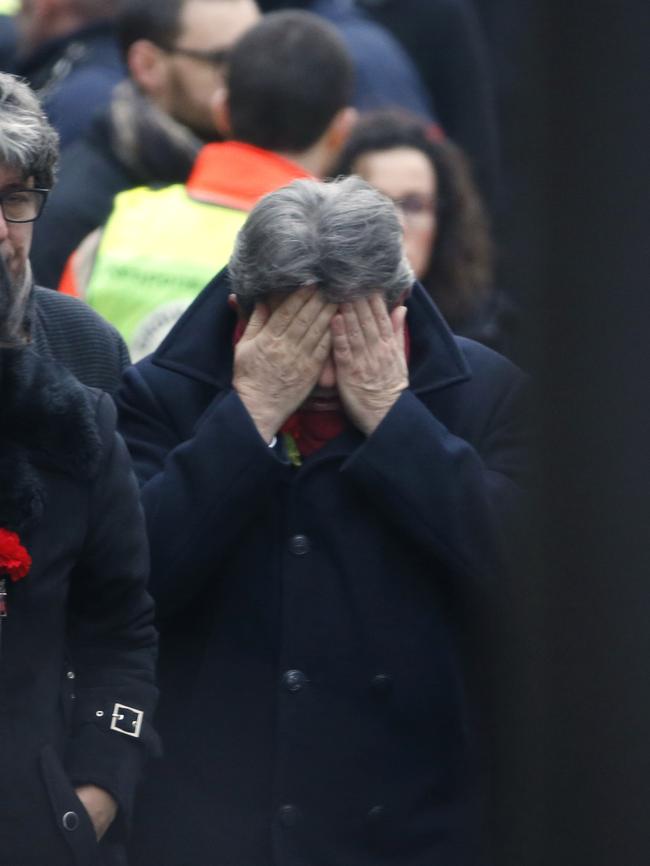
[
  {"x": 33, "y": 24},
  {"x": 407, "y": 176},
  {"x": 195, "y": 63}
]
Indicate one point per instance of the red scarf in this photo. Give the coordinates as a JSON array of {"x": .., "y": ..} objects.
[{"x": 311, "y": 430}]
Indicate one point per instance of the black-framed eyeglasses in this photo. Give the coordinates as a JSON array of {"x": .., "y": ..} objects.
[
  {"x": 23, "y": 205},
  {"x": 216, "y": 57}
]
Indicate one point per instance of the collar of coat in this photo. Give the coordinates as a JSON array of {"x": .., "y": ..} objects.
[
  {"x": 200, "y": 344},
  {"x": 237, "y": 175},
  {"x": 47, "y": 420}
]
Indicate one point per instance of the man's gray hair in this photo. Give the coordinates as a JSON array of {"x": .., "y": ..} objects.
[
  {"x": 343, "y": 236},
  {"x": 27, "y": 141}
]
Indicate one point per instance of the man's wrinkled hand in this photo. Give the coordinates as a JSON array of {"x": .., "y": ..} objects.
[
  {"x": 371, "y": 368},
  {"x": 280, "y": 356},
  {"x": 101, "y": 807}
]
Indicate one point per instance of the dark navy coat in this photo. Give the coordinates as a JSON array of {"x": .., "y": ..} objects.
[
  {"x": 74, "y": 76},
  {"x": 78, "y": 644},
  {"x": 314, "y": 710}
]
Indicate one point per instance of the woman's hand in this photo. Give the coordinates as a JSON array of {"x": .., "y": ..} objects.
[{"x": 99, "y": 804}]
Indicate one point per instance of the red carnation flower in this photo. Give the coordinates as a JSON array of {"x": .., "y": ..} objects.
[{"x": 14, "y": 559}]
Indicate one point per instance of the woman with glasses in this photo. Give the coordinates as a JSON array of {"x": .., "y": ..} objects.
[{"x": 446, "y": 233}]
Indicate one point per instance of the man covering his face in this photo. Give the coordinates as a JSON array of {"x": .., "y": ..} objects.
[{"x": 328, "y": 474}]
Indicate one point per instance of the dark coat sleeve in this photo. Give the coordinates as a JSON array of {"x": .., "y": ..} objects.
[
  {"x": 451, "y": 497},
  {"x": 456, "y": 500},
  {"x": 200, "y": 491},
  {"x": 112, "y": 639}
]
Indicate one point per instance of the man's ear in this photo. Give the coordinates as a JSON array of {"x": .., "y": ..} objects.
[
  {"x": 148, "y": 67},
  {"x": 233, "y": 304},
  {"x": 339, "y": 129},
  {"x": 45, "y": 9},
  {"x": 220, "y": 106}
]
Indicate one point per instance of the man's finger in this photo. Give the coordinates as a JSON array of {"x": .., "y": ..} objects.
[
  {"x": 285, "y": 313},
  {"x": 314, "y": 328},
  {"x": 398, "y": 320},
  {"x": 367, "y": 320},
  {"x": 383, "y": 321},
  {"x": 323, "y": 347},
  {"x": 356, "y": 340},
  {"x": 340, "y": 342},
  {"x": 258, "y": 319}
]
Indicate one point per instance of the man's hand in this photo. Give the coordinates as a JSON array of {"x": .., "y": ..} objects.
[
  {"x": 101, "y": 807},
  {"x": 371, "y": 368},
  {"x": 280, "y": 356}
]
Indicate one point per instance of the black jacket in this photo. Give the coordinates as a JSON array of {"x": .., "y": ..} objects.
[
  {"x": 78, "y": 643},
  {"x": 314, "y": 705},
  {"x": 66, "y": 330},
  {"x": 74, "y": 76}
]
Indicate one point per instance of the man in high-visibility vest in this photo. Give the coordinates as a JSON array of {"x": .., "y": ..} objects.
[
  {"x": 157, "y": 120},
  {"x": 287, "y": 108}
]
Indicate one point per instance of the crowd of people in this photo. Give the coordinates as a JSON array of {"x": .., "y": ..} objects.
[{"x": 261, "y": 452}]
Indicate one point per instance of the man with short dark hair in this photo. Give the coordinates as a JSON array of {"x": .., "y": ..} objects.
[
  {"x": 156, "y": 122},
  {"x": 61, "y": 329},
  {"x": 327, "y": 475},
  {"x": 286, "y": 106}
]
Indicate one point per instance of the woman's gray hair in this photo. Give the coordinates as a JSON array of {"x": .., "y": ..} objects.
[
  {"x": 27, "y": 141},
  {"x": 342, "y": 236}
]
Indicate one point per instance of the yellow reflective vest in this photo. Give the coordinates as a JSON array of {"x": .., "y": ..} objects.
[{"x": 158, "y": 250}]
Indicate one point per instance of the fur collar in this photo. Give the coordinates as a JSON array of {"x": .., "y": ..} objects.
[{"x": 47, "y": 421}]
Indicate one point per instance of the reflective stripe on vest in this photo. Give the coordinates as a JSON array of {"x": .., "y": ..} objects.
[{"x": 158, "y": 250}]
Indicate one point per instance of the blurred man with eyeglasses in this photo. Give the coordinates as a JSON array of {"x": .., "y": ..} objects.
[
  {"x": 158, "y": 118},
  {"x": 61, "y": 328},
  {"x": 286, "y": 107}
]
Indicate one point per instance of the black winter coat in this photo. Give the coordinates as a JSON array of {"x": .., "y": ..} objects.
[
  {"x": 78, "y": 642},
  {"x": 314, "y": 708},
  {"x": 74, "y": 76},
  {"x": 67, "y": 330}
]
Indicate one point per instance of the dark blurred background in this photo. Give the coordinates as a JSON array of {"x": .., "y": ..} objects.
[{"x": 574, "y": 88}]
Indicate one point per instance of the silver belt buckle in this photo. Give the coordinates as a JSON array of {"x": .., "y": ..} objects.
[{"x": 120, "y": 720}]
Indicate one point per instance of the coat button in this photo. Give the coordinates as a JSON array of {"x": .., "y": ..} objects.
[
  {"x": 70, "y": 821},
  {"x": 381, "y": 684},
  {"x": 376, "y": 814},
  {"x": 293, "y": 680},
  {"x": 288, "y": 815},
  {"x": 70, "y": 675},
  {"x": 299, "y": 545}
]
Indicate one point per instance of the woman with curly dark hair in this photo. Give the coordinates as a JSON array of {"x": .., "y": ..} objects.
[{"x": 446, "y": 232}]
